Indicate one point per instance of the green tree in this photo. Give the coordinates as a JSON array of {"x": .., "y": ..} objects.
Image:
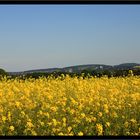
[{"x": 3, "y": 72}]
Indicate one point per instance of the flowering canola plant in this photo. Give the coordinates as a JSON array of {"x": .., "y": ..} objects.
[{"x": 70, "y": 106}]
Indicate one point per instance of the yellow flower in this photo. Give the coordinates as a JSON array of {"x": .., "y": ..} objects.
[
  {"x": 94, "y": 119},
  {"x": 47, "y": 115},
  {"x": 72, "y": 111},
  {"x": 126, "y": 124},
  {"x": 29, "y": 124},
  {"x": 83, "y": 115},
  {"x": 34, "y": 133},
  {"x": 69, "y": 128},
  {"x": 11, "y": 128},
  {"x": 44, "y": 104},
  {"x": 64, "y": 124},
  {"x": 54, "y": 129},
  {"x": 100, "y": 114},
  {"x": 17, "y": 104},
  {"x": 128, "y": 133},
  {"x": 133, "y": 121},
  {"x": 80, "y": 133},
  {"x": 114, "y": 114},
  {"x": 137, "y": 134},
  {"x": 49, "y": 123},
  {"x": 4, "y": 118},
  {"x": 99, "y": 129},
  {"x": 42, "y": 123},
  {"x": 40, "y": 112},
  {"x": 88, "y": 119},
  {"x": 54, "y": 122},
  {"x": 54, "y": 108},
  {"x": 60, "y": 134},
  {"x": 9, "y": 116},
  {"x": 107, "y": 124},
  {"x": 64, "y": 119},
  {"x": 73, "y": 101},
  {"x": 98, "y": 104},
  {"x": 105, "y": 107},
  {"x": 70, "y": 134},
  {"x": 23, "y": 113}
]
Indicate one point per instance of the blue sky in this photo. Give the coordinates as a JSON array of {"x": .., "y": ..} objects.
[{"x": 46, "y": 36}]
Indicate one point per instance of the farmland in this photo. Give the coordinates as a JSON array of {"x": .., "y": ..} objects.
[{"x": 70, "y": 106}]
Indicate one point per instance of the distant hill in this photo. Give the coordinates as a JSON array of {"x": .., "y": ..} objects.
[
  {"x": 126, "y": 66},
  {"x": 80, "y": 68},
  {"x": 44, "y": 70}
]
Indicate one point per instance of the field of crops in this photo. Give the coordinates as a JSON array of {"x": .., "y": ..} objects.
[{"x": 70, "y": 106}]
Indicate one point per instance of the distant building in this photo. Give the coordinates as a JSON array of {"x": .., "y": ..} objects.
[{"x": 101, "y": 67}]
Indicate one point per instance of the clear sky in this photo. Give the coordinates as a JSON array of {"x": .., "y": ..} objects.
[{"x": 47, "y": 36}]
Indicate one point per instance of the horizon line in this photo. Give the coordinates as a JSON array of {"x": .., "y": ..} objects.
[{"x": 74, "y": 66}]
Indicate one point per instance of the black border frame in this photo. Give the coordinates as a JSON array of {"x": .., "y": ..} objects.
[
  {"x": 69, "y": 2},
  {"x": 66, "y": 2}
]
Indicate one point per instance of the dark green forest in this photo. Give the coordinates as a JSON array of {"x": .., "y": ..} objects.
[{"x": 84, "y": 74}]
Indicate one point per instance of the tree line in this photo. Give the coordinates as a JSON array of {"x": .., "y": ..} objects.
[{"x": 83, "y": 73}]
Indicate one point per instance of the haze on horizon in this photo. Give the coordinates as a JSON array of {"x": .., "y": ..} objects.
[{"x": 50, "y": 36}]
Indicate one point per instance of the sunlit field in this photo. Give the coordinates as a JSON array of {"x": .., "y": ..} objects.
[{"x": 70, "y": 106}]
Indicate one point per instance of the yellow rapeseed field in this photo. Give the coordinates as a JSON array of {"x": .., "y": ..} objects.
[{"x": 70, "y": 106}]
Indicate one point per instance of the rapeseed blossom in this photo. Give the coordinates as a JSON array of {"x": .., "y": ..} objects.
[
  {"x": 80, "y": 134},
  {"x": 11, "y": 128},
  {"x": 70, "y": 106},
  {"x": 99, "y": 129}
]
